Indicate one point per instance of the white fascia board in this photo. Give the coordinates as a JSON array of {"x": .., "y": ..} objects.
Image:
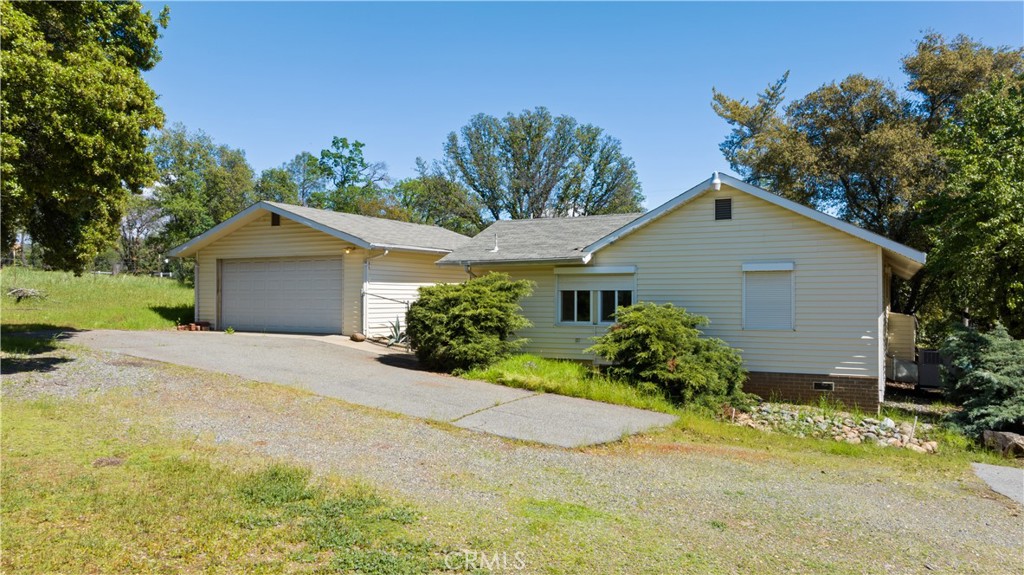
[
  {"x": 188, "y": 248},
  {"x": 401, "y": 248},
  {"x": 548, "y": 261},
  {"x": 193, "y": 245},
  {"x": 650, "y": 216},
  {"x": 694, "y": 192},
  {"x": 596, "y": 270},
  {"x": 826, "y": 219},
  {"x": 768, "y": 267}
]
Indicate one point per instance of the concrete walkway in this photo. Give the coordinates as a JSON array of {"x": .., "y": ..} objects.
[
  {"x": 389, "y": 382},
  {"x": 1008, "y": 481}
]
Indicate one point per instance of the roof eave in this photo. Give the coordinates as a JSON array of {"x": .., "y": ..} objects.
[
  {"x": 694, "y": 192},
  {"x": 585, "y": 258}
]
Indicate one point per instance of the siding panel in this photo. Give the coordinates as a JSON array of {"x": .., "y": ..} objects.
[
  {"x": 394, "y": 282},
  {"x": 692, "y": 260}
]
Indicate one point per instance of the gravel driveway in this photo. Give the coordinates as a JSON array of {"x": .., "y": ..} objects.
[{"x": 657, "y": 500}]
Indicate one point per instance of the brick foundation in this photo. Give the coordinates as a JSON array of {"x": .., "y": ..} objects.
[{"x": 799, "y": 387}]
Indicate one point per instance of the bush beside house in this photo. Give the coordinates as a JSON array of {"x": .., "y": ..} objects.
[
  {"x": 455, "y": 327},
  {"x": 663, "y": 345}
]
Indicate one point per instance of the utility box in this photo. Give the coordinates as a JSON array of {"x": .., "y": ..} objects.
[{"x": 928, "y": 363}]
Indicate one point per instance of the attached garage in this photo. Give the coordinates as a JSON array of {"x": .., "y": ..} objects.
[
  {"x": 294, "y": 295},
  {"x": 281, "y": 268}
]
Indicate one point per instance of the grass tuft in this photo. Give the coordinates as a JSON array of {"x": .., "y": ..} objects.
[{"x": 572, "y": 379}]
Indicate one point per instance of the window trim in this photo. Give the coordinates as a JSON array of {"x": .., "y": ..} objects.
[
  {"x": 595, "y": 294},
  {"x": 600, "y": 316},
  {"x": 756, "y": 267}
]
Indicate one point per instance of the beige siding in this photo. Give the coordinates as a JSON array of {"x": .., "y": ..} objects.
[
  {"x": 259, "y": 239},
  {"x": 691, "y": 260},
  {"x": 394, "y": 281},
  {"x": 546, "y": 338}
]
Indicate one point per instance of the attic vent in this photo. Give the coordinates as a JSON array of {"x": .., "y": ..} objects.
[
  {"x": 275, "y": 219},
  {"x": 723, "y": 209}
]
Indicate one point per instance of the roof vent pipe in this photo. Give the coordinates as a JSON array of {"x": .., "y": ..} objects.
[
  {"x": 495, "y": 250},
  {"x": 716, "y": 182}
]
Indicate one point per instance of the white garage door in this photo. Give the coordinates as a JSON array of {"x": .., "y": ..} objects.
[{"x": 293, "y": 295}]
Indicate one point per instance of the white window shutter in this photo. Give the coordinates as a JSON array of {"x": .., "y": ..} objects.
[{"x": 768, "y": 300}]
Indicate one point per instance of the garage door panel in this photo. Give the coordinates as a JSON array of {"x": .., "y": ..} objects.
[{"x": 299, "y": 295}]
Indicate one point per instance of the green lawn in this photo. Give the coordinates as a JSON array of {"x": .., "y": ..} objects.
[
  {"x": 92, "y": 301},
  {"x": 84, "y": 494},
  {"x": 697, "y": 425},
  {"x": 569, "y": 378}
]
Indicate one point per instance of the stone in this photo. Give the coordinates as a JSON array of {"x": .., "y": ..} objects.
[
  {"x": 870, "y": 421},
  {"x": 853, "y": 440},
  {"x": 915, "y": 448},
  {"x": 1005, "y": 442},
  {"x": 358, "y": 337},
  {"x": 870, "y": 437},
  {"x": 887, "y": 423},
  {"x": 930, "y": 446}
]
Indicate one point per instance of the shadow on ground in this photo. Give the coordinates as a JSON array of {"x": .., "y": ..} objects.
[
  {"x": 179, "y": 314},
  {"x": 401, "y": 360},
  {"x": 24, "y": 351}
]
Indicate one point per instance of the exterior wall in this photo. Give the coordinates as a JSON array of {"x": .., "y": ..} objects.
[
  {"x": 259, "y": 239},
  {"x": 691, "y": 260},
  {"x": 394, "y": 282},
  {"x": 546, "y": 337}
]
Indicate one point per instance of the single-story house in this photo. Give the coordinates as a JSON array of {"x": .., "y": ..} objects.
[
  {"x": 281, "y": 268},
  {"x": 804, "y": 295}
]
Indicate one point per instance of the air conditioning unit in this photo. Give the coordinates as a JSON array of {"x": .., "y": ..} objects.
[{"x": 928, "y": 363}]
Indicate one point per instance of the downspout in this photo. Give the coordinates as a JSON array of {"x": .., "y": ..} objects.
[
  {"x": 366, "y": 282},
  {"x": 468, "y": 267},
  {"x": 195, "y": 290}
]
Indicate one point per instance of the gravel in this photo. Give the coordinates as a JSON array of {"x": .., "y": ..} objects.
[{"x": 743, "y": 507}]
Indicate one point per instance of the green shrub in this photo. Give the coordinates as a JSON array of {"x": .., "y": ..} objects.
[
  {"x": 986, "y": 377},
  {"x": 462, "y": 326},
  {"x": 663, "y": 345}
]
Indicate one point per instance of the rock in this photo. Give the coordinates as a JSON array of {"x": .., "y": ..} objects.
[
  {"x": 853, "y": 440},
  {"x": 870, "y": 437},
  {"x": 1005, "y": 442},
  {"x": 894, "y": 442},
  {"x": 888, "y": 423},
  {"x": 915, "y": 448},
  {"x": 930, "y": 446},
  {"x": 358, "y": 337},
  {"x": 870, "y": 421}
]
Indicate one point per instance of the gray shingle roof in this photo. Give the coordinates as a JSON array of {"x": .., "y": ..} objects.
[
  {"x": 542, "y": 239},
  {"x": 378, "y": 231}
]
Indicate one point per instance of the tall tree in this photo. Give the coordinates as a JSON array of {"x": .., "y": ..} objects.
[
  {"x": 534, "y": 164},
  {"x": 75, "y": 110},
  {"x": 436, "y": 197},
  {"x": 943, "y": 73},
  {"x": 308, "y": 174},
  {"x": 275, "y": 185},
  {"x": 356, "y": 185},
  {"x": 140, "y": 225},
  {"x": 979, "y": 214},
  {"x": 858, "y": 148},
  {"x": 200, "y": 183}
]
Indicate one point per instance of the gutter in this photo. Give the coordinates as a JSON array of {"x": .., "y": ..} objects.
[{"x": 584, "y": 259}]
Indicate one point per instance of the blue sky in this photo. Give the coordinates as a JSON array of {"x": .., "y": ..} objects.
[{"x": 278, "y": 78}]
